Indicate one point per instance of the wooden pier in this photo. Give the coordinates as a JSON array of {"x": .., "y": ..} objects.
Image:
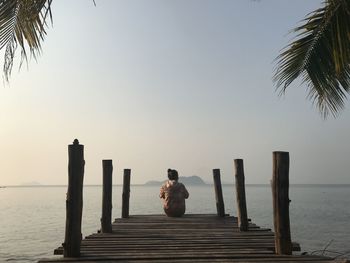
[{"x": 191, "y": 238}]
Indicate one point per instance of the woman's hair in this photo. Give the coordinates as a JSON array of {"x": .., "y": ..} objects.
[{"x": 173, "y": 175}]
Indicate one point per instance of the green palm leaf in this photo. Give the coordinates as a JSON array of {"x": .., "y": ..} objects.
[
  {"x": 23, "y": 23},
  {"x": 320, "y": 55}
]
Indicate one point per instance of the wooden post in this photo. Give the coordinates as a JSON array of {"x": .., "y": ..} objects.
[
  {"x": 280, "y": 196},
  {"x": 240, "y": 196},
  {"x": 106, "y": 219},
  {"x": 126, "y": 193},
  {"x": 74, "y": 201},
  {"x": 218, "y": 193}
]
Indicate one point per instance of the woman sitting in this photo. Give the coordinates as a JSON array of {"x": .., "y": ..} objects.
[{"x": 174, "y": 195}]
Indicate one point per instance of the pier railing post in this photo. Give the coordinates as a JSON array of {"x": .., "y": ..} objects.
[
  {"x": 106, "y": 219},
  {"x": 74, "y": 201},
  {"x": 240, "y": 195},
  {"x": 126, "y": 193},
  {"x": 280, "y": 196},
  {"x": 220, "y": 207}
]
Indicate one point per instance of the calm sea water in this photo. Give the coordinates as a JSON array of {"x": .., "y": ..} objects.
[{"x": 32, "y": 219}]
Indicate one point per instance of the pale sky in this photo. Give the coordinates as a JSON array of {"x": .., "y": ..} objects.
[{"x": 157, "y": 84}]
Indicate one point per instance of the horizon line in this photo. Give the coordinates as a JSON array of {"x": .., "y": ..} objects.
[{"x": 145, "y": 184}]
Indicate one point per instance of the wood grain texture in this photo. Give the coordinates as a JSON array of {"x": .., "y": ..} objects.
[
  {"x": 280, "y": 199},
  {"x": 191, "y": 238},
  {"x": 106, "y": 219},
  {"x": 240, "y": 195},
  {"x": 74, "y": 201},
  {"x": 126, "y": 193},
  {"x": 220, "y": 207}
]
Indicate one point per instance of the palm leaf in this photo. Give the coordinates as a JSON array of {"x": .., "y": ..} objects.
[
  {"x": 320, "y": 55},
  {"x": 23, "y": 23}
]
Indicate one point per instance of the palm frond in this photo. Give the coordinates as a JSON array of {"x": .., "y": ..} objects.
[
  {"x": 320, "y": 55},
  {"x": 22, "y": 23}
]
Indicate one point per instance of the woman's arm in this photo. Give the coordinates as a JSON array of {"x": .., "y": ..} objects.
[
  {"x": 162, "y": 193},
  {"x": 185, "y": 192}
]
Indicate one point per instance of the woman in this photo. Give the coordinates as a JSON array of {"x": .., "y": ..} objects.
[{"x": 173, "y": 194}]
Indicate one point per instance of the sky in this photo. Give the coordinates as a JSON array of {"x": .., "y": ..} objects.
[{"x": 158, "y": 84}]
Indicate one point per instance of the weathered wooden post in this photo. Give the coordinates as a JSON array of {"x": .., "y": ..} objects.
[
  {"x": 240, "y": 196},
  {"x": 74, "y": 201},
  {"x": 218, "y": 193},
  {"x": 280, "y": 196},
  {"x": 106, "y": 219},
  {"x": 126, "y": 193}
]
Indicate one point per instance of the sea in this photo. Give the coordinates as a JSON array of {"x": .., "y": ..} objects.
[{"x": 32, "y": 219}]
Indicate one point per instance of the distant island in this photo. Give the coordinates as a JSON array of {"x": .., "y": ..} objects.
[
  {"x": 32, "y": 183},
  {"x": 189, "y": 180}
]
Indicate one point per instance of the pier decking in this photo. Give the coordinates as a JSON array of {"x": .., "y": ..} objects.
[{"x": 192, "y": 238}]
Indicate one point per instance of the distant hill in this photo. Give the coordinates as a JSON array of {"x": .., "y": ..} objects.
[
  {"x": 153, "y": 182},
  {"x": 32, "y": 183},
  {"x": 190, "y": 180}
]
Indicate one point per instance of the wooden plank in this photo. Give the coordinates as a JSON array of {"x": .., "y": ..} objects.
[
  {"x": 244, "y": 258},
  {"x": 175, "y": 246}
]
